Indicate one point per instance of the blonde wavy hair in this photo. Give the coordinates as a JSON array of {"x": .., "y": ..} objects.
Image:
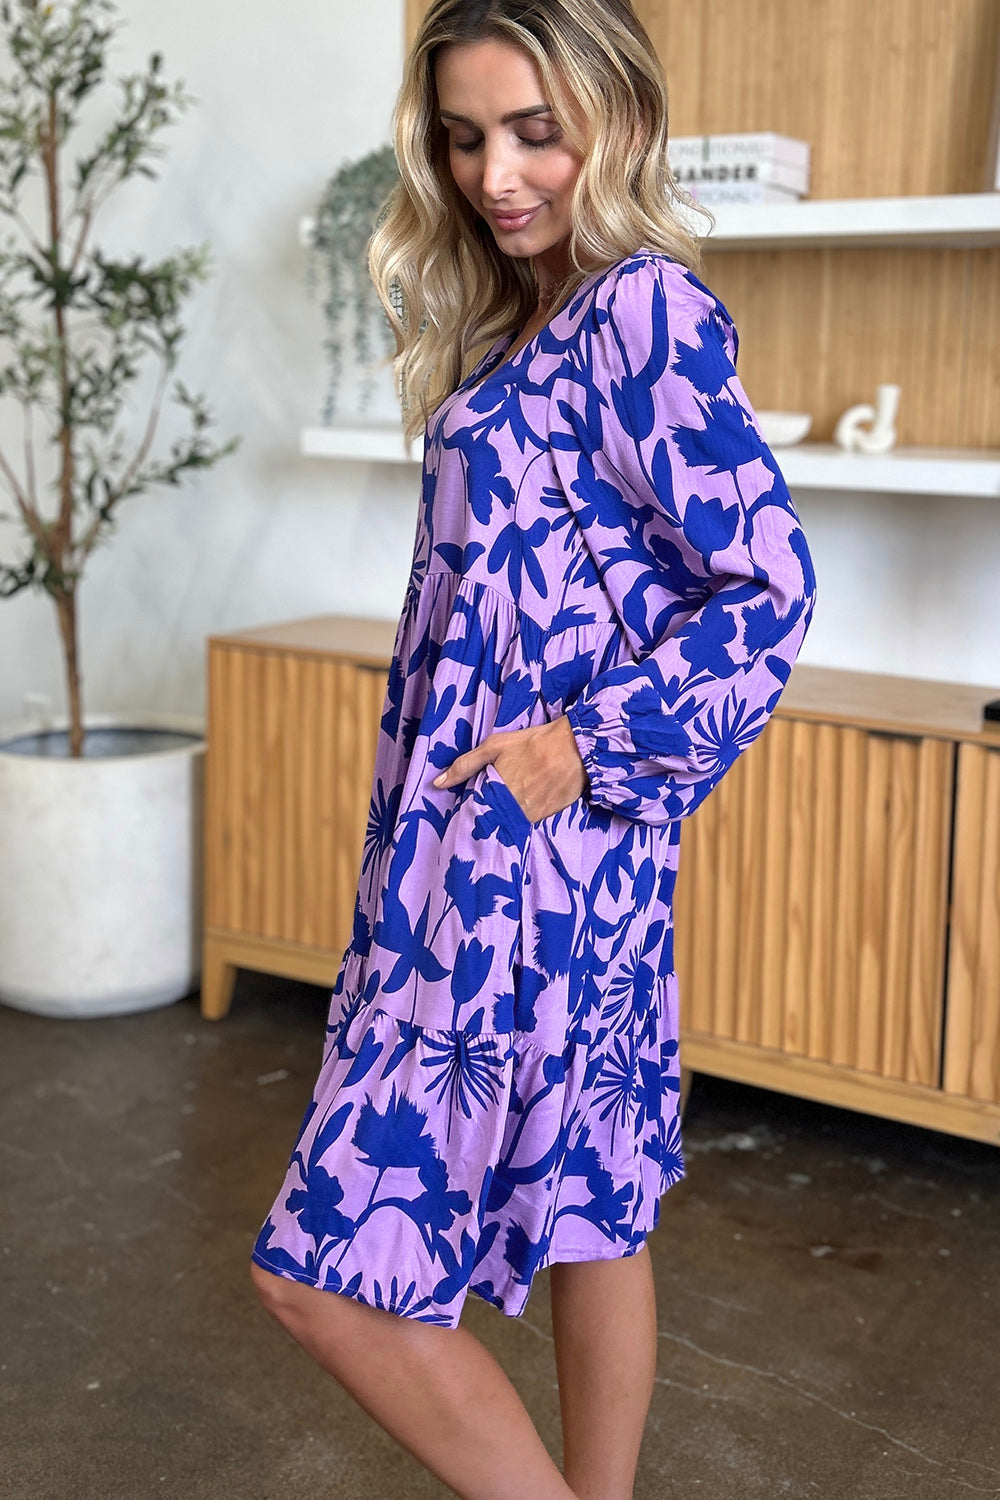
[{"x": 446, "y": 287}]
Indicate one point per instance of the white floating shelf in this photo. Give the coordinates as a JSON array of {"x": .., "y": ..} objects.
[
  {"x": 366, "y": 442},
  {"x": 903, "y": 471},
  {"x": 948, "y": 220},
  {"x": 805, "y": 466},
  {"x": 953, "y": 220}
]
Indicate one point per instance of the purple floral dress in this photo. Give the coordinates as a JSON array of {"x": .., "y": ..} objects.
[{"x": 602, "y": 533}]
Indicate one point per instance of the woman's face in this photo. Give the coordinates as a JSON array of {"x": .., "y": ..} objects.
[{"x": 507, "y": 153}]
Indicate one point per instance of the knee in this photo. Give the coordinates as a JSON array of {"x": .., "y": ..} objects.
[{"x": 277, "y": 1293}]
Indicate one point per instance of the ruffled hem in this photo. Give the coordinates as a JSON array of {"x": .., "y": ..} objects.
[{"x": 431, "y": 1163}]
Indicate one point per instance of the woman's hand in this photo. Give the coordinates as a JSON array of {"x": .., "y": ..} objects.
[{"x": 541, "y": 765}]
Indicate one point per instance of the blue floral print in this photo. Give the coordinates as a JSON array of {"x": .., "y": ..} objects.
[{"x": 602, "y": 533}]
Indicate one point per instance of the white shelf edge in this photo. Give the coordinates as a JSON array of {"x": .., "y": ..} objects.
[
  {"x": 364, "y": 442},
  {"x": 950, "y": 472},
  {"x": 948, "y": 219}
]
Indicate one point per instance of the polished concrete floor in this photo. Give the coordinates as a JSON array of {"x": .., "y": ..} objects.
[{"x": 828, "y": 1287}]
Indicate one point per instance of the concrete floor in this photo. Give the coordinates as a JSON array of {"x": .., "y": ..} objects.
[{"x": 827, "y": 1286}]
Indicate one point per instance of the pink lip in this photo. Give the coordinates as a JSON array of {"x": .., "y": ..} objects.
[{"x": 515, "y": 220}]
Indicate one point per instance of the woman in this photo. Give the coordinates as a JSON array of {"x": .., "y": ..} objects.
[{"x": 609, "y": 588}]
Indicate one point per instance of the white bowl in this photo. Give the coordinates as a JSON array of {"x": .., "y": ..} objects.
[{"x": 780, "y": 429}]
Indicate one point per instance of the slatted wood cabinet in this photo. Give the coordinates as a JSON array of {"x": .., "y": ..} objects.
[
  {"x": 838, "y": 902},
  {"x": 293, "y": 713}
]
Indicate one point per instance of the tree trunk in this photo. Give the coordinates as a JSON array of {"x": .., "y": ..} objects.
[
  {"x": 61, "y": 545},
  {"x": 66, "y": 607}
]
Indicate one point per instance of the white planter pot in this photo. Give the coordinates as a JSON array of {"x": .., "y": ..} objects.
[{"x": 100, "y": 872}]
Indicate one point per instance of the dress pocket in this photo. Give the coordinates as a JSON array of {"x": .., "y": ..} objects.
[
  {"x": 500, "y": 796},
  {"x": 540, "y": 954},
  {"x": 495, "y": 791},
  {"x": 446, "y": 934},
  {"x": 554, "y": 927}
]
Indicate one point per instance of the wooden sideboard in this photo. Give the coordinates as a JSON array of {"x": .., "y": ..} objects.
[
  {"x": 293, "y": 713},
  {"x": 838, "y": 903},
  {"x": 837, "y": 917}
]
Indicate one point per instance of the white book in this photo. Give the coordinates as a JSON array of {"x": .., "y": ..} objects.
[
  {"x": 781, "y": 174},
  {"x": 760, "y": 145},
  {"x": 714, "y": 194}
]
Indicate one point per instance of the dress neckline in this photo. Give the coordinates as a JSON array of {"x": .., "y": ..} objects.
[{"x": 505, "y": 340}]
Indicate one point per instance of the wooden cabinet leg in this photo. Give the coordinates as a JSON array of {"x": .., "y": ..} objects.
[
  {"x": 218, "y": 976},
  {"x": 686, "y": 1077}
]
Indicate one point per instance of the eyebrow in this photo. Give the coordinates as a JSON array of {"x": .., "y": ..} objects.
[{"x": 515, "y": 114}]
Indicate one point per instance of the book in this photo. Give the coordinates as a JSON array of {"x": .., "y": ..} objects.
[
  {"x": 755, "y": 146},
  {"x": 712, "y": 194},
  {"x": 767, "y": 170}
]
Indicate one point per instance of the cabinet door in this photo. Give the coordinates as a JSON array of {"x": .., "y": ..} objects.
[
  {"x": 291, "y": 749},
  {"x": 811, "y": 902},
  {"x": 972, "y": 1036}
]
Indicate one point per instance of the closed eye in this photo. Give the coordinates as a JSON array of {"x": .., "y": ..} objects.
[{"x": 470, "y": 146}]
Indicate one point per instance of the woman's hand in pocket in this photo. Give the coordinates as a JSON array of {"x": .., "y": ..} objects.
[{"x": 541, "y": 765}]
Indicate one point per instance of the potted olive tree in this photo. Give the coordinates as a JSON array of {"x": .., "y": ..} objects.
[{"x": 99, "y": 815}]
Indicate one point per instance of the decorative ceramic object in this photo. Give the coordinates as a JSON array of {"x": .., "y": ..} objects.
[
  {"x": 780, "y": 429},
  {"x": 851, "y": 433}
]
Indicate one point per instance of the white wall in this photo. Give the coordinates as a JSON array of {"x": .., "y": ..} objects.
[
  {"x": 287, "y": 95},
  {"x": 907, "y": 584}
]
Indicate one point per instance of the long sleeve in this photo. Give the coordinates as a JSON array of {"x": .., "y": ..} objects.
[{"x": 693, "y": 534}]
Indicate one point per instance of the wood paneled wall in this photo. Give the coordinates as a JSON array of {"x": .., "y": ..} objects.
[
  {"x": 820, "y": 329},
  {"x": 894, "y": 97}
]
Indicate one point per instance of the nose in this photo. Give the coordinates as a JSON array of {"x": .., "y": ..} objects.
[{"x": 500, "y": 177}]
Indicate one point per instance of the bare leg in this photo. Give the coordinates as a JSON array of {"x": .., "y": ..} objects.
[
  {"x": 604, "y": 1323},
  {"x": 436, "y": 1390}
]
